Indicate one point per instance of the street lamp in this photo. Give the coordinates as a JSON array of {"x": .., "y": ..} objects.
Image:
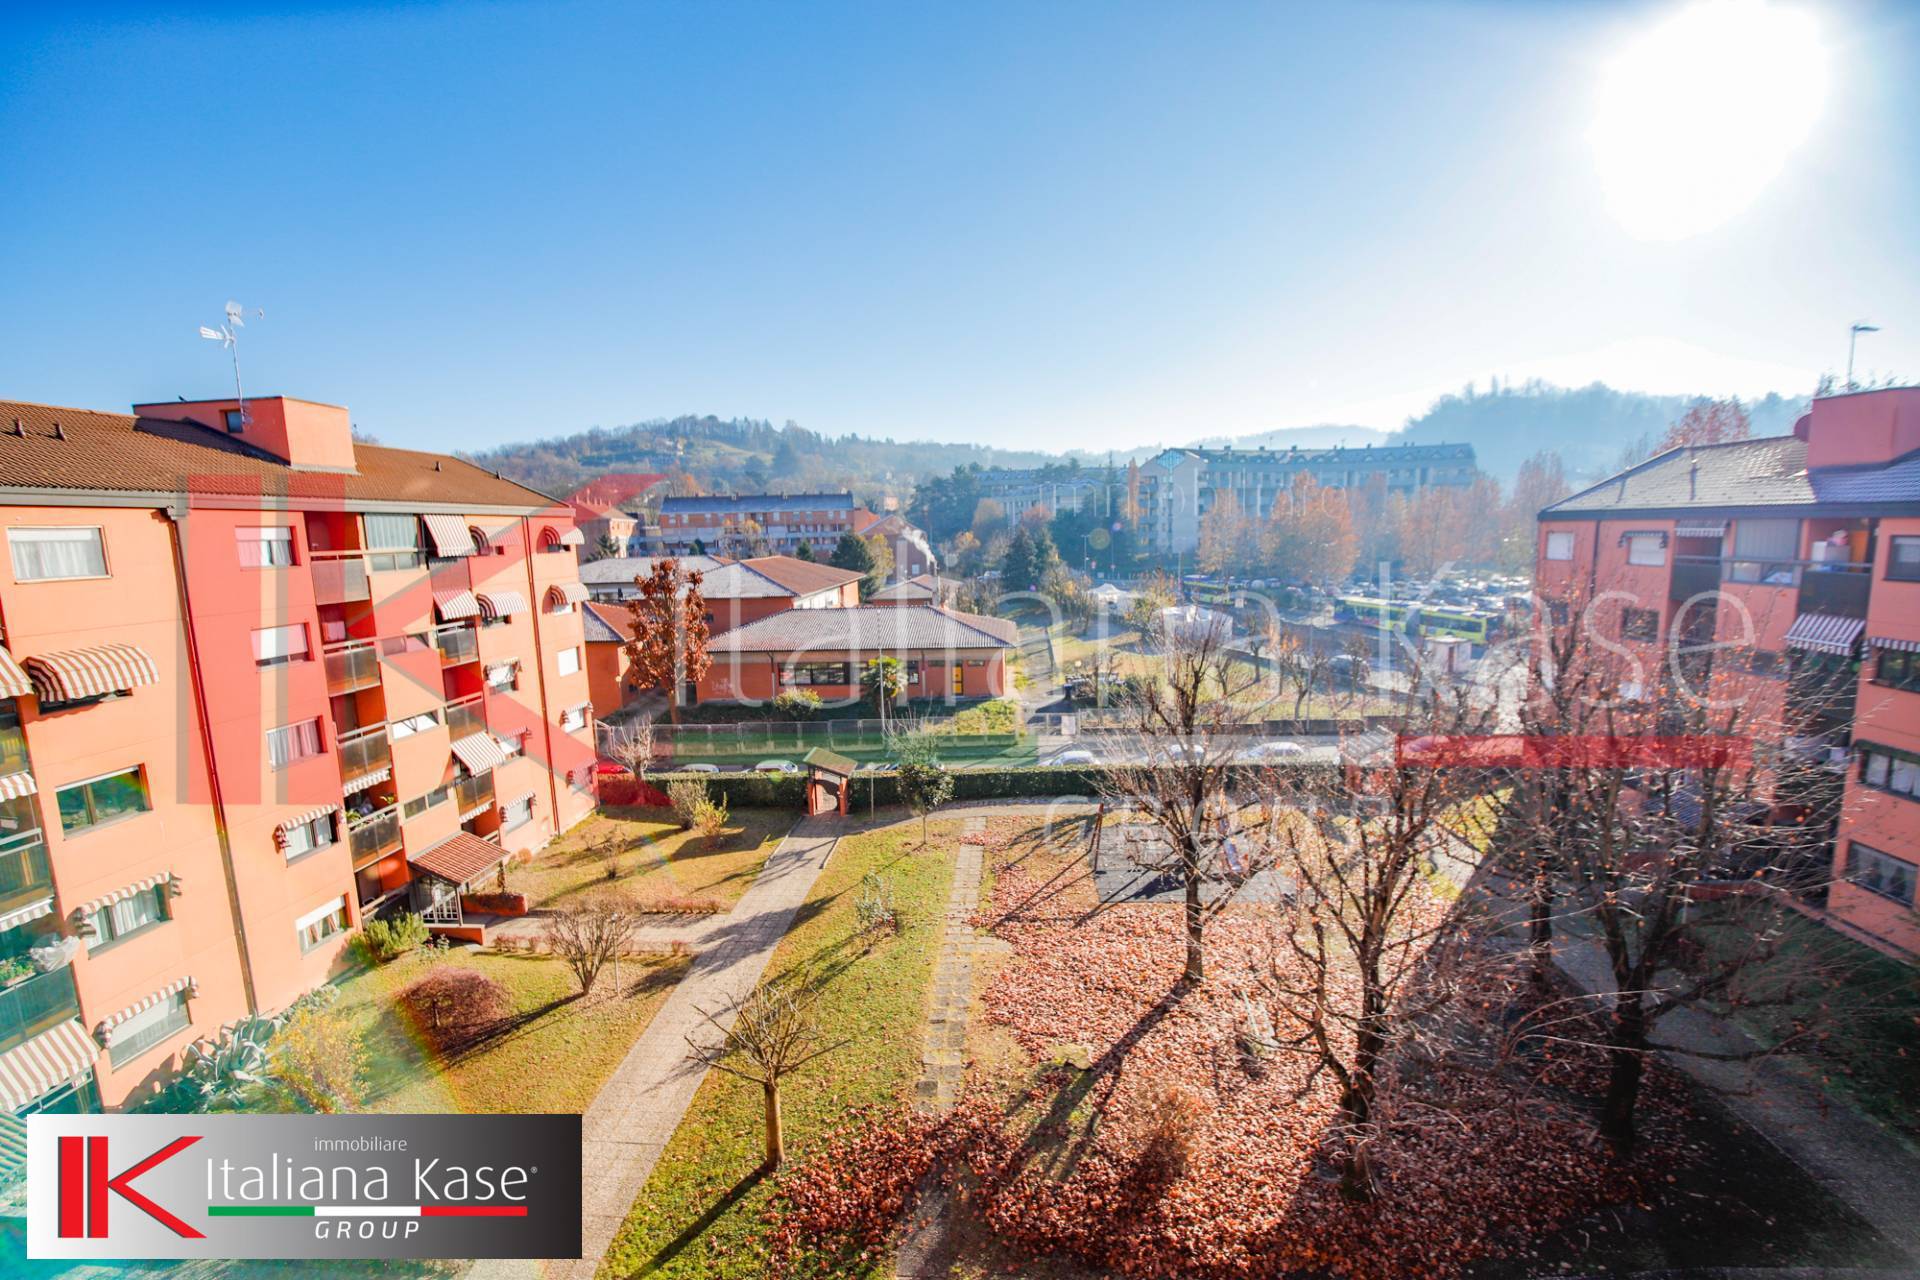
[{"x": 1853, "y": 337}]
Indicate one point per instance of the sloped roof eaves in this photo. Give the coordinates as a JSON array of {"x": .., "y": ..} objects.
[
  {"x": 599, "y": 627},
  {"x": 798, "y": 577},
  {"x": 1751, "y": 474},
  {"x": 839, "y": 630}
]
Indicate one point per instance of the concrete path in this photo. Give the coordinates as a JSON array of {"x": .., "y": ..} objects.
[
  {"x": 943, "y": 1060},
  {"x": 638, "y": 1108}
]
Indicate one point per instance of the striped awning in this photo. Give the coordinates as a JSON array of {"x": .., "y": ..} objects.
[
  {"x": 30, "y": 1071},
  {"x": 27, "y": 914},
  {"x": 1891, "y": 642},
  {"x": 456, "y": 604},
  {"x": 353, "y": 786},
  {"x": 571, "y": 592},
  {"x": 1825, "y": 633},
  {"x": 1643, "y": 533},
  {"x": 301, "y": 820},
  {"x": 501, "y": 604},
  {"x": 519, "y": 797},
  {"x": 15, "y": 785},
  {"x": 112, "y": 1020},
  {"x": 90, "y": 673},
  {"x": 1701, "y": 529},
  {"x": 459, "y": 858},
  {"x": 450, "y": 535},
  {"x": 479, "y": 752},
  {"x": 92, "y": 905},
  {"x": 573, "y": 538},
  {"x": 13, "y": 681}
]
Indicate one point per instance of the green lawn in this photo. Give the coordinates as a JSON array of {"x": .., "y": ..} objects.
[
  {"x": 700, "y": 1213},
  {"x": 658, "y": 859}
]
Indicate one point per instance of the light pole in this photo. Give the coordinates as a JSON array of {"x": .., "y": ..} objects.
[{"x": 1853, "y": 338}]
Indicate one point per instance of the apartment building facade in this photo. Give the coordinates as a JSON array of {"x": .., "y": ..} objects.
[
  {"x": 1179, "y": 486},
  {"x": 745, "y": 524},
  {"x": 1053, "y": 489},
  {"x": 1802, "y": 553},
  {"x": 258, "y": 681}
]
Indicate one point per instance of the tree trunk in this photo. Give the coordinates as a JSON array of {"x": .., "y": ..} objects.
[
  {"x": 1540, "y": 927},
  {"x": 1196, "y": 967},
  {"x": 776, "y": 1139},
  {"x": 1626, "y": 1067}
]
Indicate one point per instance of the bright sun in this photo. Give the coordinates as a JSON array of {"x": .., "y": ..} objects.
[{"x": 1699, "y": 114}]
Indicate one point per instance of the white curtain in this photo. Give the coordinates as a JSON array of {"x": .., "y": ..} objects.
[{"x": 57, "y": 553}]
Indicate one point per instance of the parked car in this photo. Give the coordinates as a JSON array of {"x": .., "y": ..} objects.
[
  {"x": 700, "y": 768},
  {"x": 776, "y": 766},
  {"x": 1269, "y": 752},
  {"x": 1078, "y": 755}
]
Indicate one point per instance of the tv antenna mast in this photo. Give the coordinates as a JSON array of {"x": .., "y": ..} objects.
[{"x": 228, "y": 336}]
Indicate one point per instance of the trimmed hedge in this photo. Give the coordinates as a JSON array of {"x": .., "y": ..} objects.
[{"x": 881, "y": 787}]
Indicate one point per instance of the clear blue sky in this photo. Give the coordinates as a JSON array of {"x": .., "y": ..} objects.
[{"x": 1053, "y": 224}]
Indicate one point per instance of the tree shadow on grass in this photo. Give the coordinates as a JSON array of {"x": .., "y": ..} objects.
[{"x": 714, "y": 1212}]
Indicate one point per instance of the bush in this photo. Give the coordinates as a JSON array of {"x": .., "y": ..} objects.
[
  {"x": 320, "y": 1061},
  {"x": 796, "y": 704},
  {"x": 383, "y": 940},
  {"x": 495, "y": 904},
  {"x": 1174, "y": 1113},
  {"x": 454, "y": 1006},
  {"x": 873, "y": 906},
  {"x": 688, "y": 796},
  {"x": 710, "y": 817}
]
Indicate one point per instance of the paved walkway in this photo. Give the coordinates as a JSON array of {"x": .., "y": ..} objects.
[
  {"x": 943, "y": 1060},
  {"x": 638, "y": 1108}
]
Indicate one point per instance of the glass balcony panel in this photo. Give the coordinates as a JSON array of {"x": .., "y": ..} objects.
[
  {"x": 354, "y": 667},
  {"x": 374, "y": 835},
  {"x": 32, "y": 1005}
]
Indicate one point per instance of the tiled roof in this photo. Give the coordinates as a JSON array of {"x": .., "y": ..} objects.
[
  {"x": 120, "y": 453},
  {"x": 603, "y": 623},
  {"x": 798, "y": 577},
  {"x": 624, "y": 569},
  {"x": 865, "y": 629},
  {"x": 724, "y": 503},
  {"x": 1769, "y": 472},
  {"x": 924, "y": 587}
]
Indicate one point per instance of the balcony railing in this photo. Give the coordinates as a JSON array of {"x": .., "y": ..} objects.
[
  {"x": 468, "y": 716},
  {"x": 351, "y": 666},
  {"x": 457, "y": 645},
  {"x": 474, "y": 795},
  {"x": 24, "y": 874},
  {"x": 1837, "y": 589},
  {"x": 376, "y": 834},
  {"x": 363, "y": 754},
  {"x": 339, "y": 577},
  {"x": 30, "y": 1007},
  {"x": 1694, "y": 575}
]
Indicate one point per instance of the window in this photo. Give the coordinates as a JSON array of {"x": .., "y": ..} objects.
[
  {"x": 567, "y": 661},
  {"x": 273, "y": 646},
  {"x": 1647, "y": 548},
  {"x": 128, "y": 916},
  {"x": 309, "y": 836},
  {"x": 550, "y": 540},
  {"x": 41, "y": 555},
  {"x": 1639, "y": 624},
  {"x": 148, "y": 1028},
  {"x": 513, "y": 744},
  {"x": 1887, "y": 770},
  {"x": 517, "y": 814},
  {"x": 322, "y": 923},
  {"x": 236, "y": 420},
  {"x": 420, "y": 804},
  {"x": 394, "y": 541},
  {"x": 293, "y": 742},
  {"x": 1880, "y": 873},
  {"x": 265, "y": 548},
  {"x": 102, "y": 800},
  {"x": 809, "y": 673},
  {"x": 504, "y": 676},
  {"x": 1903, "y": 559},
  {"x": 1559, "y": 546},
  {"x": 1764, "y": 551},
  {"x": 1897, "y": 669},
  {"x": 407, "y": 726},
  {"x": 574, "y": 719},
  {"x": 582, "y": 778}
]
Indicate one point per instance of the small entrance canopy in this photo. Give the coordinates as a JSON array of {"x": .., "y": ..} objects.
[{"x": 827, "y": 775}]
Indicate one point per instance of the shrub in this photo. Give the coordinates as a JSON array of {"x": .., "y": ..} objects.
[
  {"x": 455, "y": 1005},
  {"x": 688, "y": 796},
  {"x": 383, "y": 940},
  {"x": 496, "y": 904},
  {"x": 796, "y": 704},
  {"x": 677, "y": 904},
  {"x": 1173, "y": 1115},
  {"x": 710, "y": 817},
  {"x": 320, "y": 1061},
  {"x": 873, "y": 906}
]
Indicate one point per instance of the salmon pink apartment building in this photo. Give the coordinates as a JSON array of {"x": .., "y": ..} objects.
[
  {"x": 258, "y": 682},
  {"x": 1801, "y": 554}
]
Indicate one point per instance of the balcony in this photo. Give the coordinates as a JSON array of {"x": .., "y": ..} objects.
[
  {"x": 457, "y": 645},
  {"x": 474, "y": 795},
  {"x": 1838, "y": 590},
  {"x": 33, "y": 1004},
  {"x": 466, "y": 717},
  {"x": 24, "y": 874},
  {"x": 1694, "y": 575},
  {"x": 374, "y": 835},
  {"x": 351, "y": 666},
  {"x": 340, "y": 578},
  {"x": 365, "y": 757}
]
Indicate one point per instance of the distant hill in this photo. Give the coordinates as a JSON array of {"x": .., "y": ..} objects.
[{"x": 1324, "y": 436}]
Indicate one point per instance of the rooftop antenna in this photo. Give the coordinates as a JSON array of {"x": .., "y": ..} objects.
[
  {"x": 1853, "y": 338},
  {"x": 228, "y": 336}
]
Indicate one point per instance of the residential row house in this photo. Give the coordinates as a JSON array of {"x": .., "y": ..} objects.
[
  {"x": 740, "y": 524},
  {"x": 259, "y": 681},
  {"x": 1179, "y": 486},
  {"x": 1800, "y": 555}
]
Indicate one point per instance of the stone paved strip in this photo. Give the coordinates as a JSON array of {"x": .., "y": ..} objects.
[{"x": 943, "y": 1059}]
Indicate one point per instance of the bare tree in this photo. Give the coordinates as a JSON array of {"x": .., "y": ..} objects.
[
  {"x": 590, "y": 935},
  {"x": 765, "y": 1037},
  {"x": 1180, "y": 771},
  {"x": 631, "y": 746}
]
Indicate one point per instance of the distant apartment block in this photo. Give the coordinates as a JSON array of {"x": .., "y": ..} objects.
[
  {"x": 1804, "y": 549},
  {"x": 258, "y": 682},
  {"x": 1178, "y": 487},
  {"x": 1052, "y": 489},
  {"x": 744, "y": 524}
]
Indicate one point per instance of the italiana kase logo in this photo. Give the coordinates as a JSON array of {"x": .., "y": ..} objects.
[{"x": 140, "y": 1186}]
